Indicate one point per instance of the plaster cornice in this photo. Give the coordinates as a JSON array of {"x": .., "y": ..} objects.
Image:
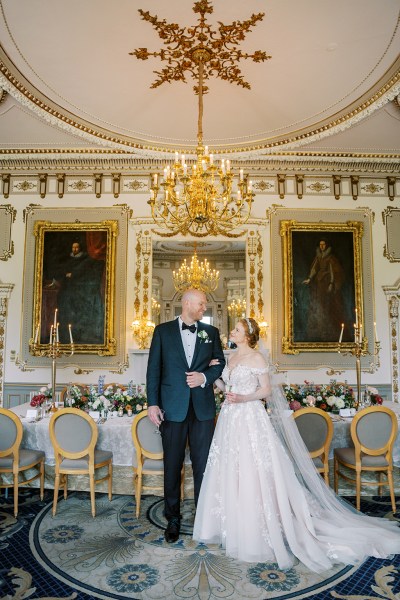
[
  {"x": 80, "y": 161},
  {"x": 12, "y": 81}
]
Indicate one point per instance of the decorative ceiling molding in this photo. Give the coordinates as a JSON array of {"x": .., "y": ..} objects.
[
  {"x": 11, "y": 82},
  {"x": 107, "y": 161}
]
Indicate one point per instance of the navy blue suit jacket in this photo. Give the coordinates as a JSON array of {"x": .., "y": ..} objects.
[{"x": 167, "y": 367}]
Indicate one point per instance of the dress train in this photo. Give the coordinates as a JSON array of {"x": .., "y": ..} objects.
[{"x": 254, "y": 504}]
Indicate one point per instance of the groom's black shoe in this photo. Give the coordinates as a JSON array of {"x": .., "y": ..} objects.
[{"x": 172, "y": 532}]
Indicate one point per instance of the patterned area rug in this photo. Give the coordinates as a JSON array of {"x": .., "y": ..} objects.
[{"x": 117, "y": 556}]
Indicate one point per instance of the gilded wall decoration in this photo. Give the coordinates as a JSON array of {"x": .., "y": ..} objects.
[
  {"x": 7, "y": 218},
  {"x": 392, "y": 293},
  {"x": 391, "y": 219}
]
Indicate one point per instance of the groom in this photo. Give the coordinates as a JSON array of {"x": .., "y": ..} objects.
[{"x": 180, "y": 383}]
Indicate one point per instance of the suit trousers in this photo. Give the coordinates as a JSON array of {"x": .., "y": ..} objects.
[{"x": 175, "y": 436}]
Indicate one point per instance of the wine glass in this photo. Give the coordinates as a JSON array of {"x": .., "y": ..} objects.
[
  {"x": 157, "y": 429},
  {"x": 228, "y": 388}
]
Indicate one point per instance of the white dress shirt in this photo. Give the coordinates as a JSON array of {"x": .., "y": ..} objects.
[{"x": 189, "y": 344}]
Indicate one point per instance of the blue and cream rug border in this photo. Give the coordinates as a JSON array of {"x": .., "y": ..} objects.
[{"x": 116, "y": 556}]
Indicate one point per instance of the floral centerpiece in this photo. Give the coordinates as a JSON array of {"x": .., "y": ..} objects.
[
  {"x": 45, "y": 394},
  {"x": 330, "y": 396},
  {"x": 111, "y": 398},
  {"x": 376, "y": 398},
  {"x": 76, "y": 398}
]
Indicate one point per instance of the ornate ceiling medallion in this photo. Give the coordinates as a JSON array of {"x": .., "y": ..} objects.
[{"x": 208, "y": 201}]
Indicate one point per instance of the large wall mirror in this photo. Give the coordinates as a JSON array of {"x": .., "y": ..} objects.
[{"x": 226, "y": 256}]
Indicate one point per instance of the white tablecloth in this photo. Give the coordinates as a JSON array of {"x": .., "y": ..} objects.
[{"x": 114, "y": 435}]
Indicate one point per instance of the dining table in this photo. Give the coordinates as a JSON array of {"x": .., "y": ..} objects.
[{"x": 114, "y": 433}]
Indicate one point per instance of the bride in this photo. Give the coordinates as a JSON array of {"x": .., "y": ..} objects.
[{"x": 261, "y": 498}]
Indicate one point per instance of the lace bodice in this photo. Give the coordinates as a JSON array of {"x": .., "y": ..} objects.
[{"x": 243, "y": 379}]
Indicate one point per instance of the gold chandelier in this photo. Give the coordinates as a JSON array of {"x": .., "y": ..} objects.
[
  {"x": 206, "y": 200},
  {"x": 197, "y": 275},
  {"x": 155, "y": 307},
  {"x": 237, "y": 308}
]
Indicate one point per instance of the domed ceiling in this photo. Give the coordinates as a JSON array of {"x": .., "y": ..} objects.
[{"x": 331, "y": 84}]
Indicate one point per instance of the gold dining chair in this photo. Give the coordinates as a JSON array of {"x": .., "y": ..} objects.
[
  {"x": 373, "y": 431},
  {"x": 74, "y": 434},
  {"x": 149, "y": 456},
  {"x": 316, "y": 429},
  {"x": 14, "y": 459}
]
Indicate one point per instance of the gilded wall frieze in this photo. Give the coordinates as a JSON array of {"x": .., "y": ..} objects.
[
  {"x": 373, "y": 188},
  {"x": 318, "y": 186},
  {"x": 23, "y": 185},
  {"x": 79, "y": 185},
  {"x": 337, "y": 185}
]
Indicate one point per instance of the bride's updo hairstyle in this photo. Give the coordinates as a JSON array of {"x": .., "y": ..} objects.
[{"x": 252, "y": 331}]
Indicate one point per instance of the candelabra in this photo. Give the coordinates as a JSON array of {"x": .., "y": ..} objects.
[
  {"x": 359, "y": 349},
  {"x": 53, "y": 350}
]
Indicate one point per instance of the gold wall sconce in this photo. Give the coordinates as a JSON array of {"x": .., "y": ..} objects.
[{"x": 142, "y": 330}]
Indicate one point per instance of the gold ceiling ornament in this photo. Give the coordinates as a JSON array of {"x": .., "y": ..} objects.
[
  {"x": 237, "y": 308},
  {"x": 197, "y": 275},
  {"x": 208, "y": 200}
]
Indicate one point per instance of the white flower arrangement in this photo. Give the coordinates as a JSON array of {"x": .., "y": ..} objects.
[{"x": 112, "y": 398}]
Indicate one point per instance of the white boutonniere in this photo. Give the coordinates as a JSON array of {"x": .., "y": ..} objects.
[{"x": 203, "y": 335}]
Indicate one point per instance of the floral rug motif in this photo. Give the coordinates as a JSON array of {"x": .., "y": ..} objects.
[{"x": 117, "y": 556}]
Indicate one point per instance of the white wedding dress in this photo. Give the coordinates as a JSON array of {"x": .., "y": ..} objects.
[{"x": 258, "y": 509}]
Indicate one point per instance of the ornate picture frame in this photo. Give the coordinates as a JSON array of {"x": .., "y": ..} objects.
[
  {"x": 74, "y": 282},
  {"x": 53, "y": 231},
  {"x": 322, "y": 284},
  {"x": 352, "y": 242}
]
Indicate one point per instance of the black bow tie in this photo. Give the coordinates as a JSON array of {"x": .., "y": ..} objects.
[{"x": 191, "y": 328}]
